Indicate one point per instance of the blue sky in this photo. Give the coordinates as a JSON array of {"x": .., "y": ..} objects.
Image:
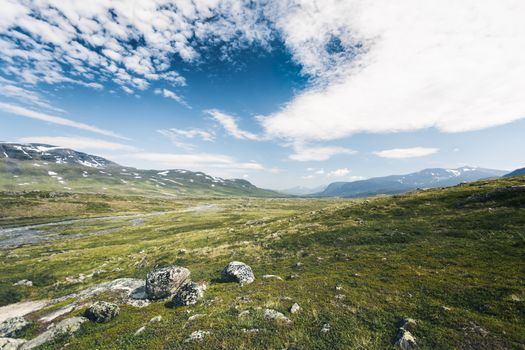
[{"x": 282, "y": 93}]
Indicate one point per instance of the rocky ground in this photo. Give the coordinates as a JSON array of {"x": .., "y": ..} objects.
[{"x": 436, "y": 269}]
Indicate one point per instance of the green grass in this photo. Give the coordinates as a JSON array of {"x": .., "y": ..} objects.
[{"x": 447, "y": 258}]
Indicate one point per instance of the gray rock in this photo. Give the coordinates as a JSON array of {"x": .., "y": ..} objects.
[
  {"x": 239, "y": 272},
  {"x": 272, "y": 276},
  {"x": 404, "y": 339},
  {"x": 244, "y": 313},
  {"x": 188, "y": 294},
  {"x": 273, "y": 315},
  {"x": 12, "y": 325},
  {"x": 102, "y": 312},
  {"x": 26, "y": 283},
  {"x": 326, "y": 328},
  {"x": 197, "y": 336},
  {"x": 66, "y": 327},
  {"x": 295, "y": 308},
  {"x": 164, "y": 282},
  {"x": 11, "y": 344}
]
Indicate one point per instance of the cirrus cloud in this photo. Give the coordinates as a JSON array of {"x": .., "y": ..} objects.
[{"x": 400, "y": 153}]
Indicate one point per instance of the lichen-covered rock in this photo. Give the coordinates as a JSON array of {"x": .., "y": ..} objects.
[
  {"x": 102, "y": 312},
  {"x": 404, "y": 339},
  {"x": 65, "y": 327},
  {"x": 239, "y": 272},
  {"x": 164, "y": 282},
  {"x": 197, "y": 336},
  {"x": 11, "y": 344},
  {"x": 12, "y": 325},
  {"x": 273, "y": 315},
  {"x": 188, "y": 294}
]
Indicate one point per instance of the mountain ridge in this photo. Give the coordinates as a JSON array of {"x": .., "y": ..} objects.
[
  {"x": 395, "y": 184},
  {"x": 36, "y": 166}
]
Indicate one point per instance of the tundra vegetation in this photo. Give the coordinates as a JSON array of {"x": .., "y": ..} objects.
[{"x": 444, "y": 267}]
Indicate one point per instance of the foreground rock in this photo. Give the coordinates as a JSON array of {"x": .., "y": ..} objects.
[
  {"x": 238, "y": 272},
  {"x": 164, "y": 282},
  {"x": 11, "y": 326},
  {"x": 189, "y": 294},
  {"x": 196, "y": 336},
  {"x": 404, "y": 339},
  {"x": 11, "y": 344},
  {"x": 64, "y": 328},
  {"x": 102, "y": 312},
  {"x": 273, "y": 315}
]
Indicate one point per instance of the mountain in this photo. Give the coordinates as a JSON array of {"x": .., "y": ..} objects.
[
  {"x": 37, "y": 167},
  {"x": 516, "y": 172},
  {"x": 302, "y": 190},
  {"x": 393, "y": 184}
]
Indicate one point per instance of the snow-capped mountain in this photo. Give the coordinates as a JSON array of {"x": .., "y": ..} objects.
[
  {"x": 35, "y": 167},
  {"x": 427, "y": 178}
]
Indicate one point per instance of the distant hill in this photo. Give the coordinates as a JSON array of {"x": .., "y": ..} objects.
[
  {"x": 516, "y": 172},
  {"x": 35, "y": 167},
  {"x": 302, "y": 190},
  {"x": 427, "y": 178}
]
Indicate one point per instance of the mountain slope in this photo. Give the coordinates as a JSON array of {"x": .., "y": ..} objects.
[
  {"x": 516, "y": 172},
  {"x": 427, "y": 178},
  {"x": 303, "y": 191},
  {"x": 30, "y": 167}
]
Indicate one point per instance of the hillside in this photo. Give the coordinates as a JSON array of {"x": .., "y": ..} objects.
[
  {"x": 450, "y": 259},
  {"x": 517, "y": 172},
  {"x": 37, "y": 167},
  {"x": 393, "y": 184}
]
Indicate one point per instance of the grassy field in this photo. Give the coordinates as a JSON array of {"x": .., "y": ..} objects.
[{"x": 452, "y": 259}]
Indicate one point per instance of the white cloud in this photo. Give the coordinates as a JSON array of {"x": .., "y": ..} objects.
[
  {"x": 230, "y": 125},
  {"x": 308, "y": 153},
  {"x": 24, "y": 112},
  {"x": 175, "y": 135},
  {"x": 198, "y": 161},
  {"x": 10, "y": 89},
  {"x": 400, "y": 153},
  {"x": 78, "y": 143},
  {"x": 170, "y": 94},
  {"x": 338, "y": 172},
  {"x": 453, "y": 65}
]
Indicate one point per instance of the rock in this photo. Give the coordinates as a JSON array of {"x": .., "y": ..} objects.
[
  {"x": 196, "y": 316},
  {"x": 156, "y": 319},
  {"x": 326, "y": 328},
  {"x": 295, "y": 308},
  {"x": 11, "y": 344},
  {"x": 26, "y": 283},
  {"x": 404, "y": 339},
  {"x": 340, "y": 297},
  {"x": 12, "y": 325},
  {"x": 197, "y": 336},
  {"x": 239, "y": 272},
  {"x": 244, "y": 313},
  {"x": 188, "y": 294},
  {"x": 273, "y": 315},
  {"x": 65, "y": 327},
  {"x": 163, "y": 282},
  {"x": 298, "y": 265},
  {"x": 140, "y": 330},
  {"x": 102, "y": 312},
  {"x": 293, "y": 276},
  {"x": 272, "y": 276}
]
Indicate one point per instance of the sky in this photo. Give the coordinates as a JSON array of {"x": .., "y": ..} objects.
[{"x": 283, "y": 93}]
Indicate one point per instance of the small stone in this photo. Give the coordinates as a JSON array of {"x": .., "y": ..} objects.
[
  {"x": 273, "y": 315},
  {"x": 197, "y": 336},
  {"x": 340, "y": 297},
  {"x": 140, "y": 330},
  {"x": 244, "y": 313},
  {"x": 239, "y": 272},
  {"x": 405, "y": 340},
  {"x": 189, "y": 294},
  {"x": 196, "y": 316},
  {"x": 298, "y": 265},
  {"x": 156, "y": 319},
  {"x": 272, "y": 276},
  {"x": 326, "y": 328},
  {"x": 295, "y": 308},
  {"x": 11, "y": 326},
  {"x": 338, "y": 286},
  {"x": 293, "y": 276},
  {"x": 102, "y": 312},
  {"x": 163, "y": 282},
  {"x": 26, "y": 283}
]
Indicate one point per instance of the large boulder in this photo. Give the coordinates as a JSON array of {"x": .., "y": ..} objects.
[
  {"x": 11, "y": 326},
  {"x": 238, "y": 272},
  {"x": 102, "y": 312},
  {"x": 163, "y": 282},
  {"x": 189, "y": 294}
]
